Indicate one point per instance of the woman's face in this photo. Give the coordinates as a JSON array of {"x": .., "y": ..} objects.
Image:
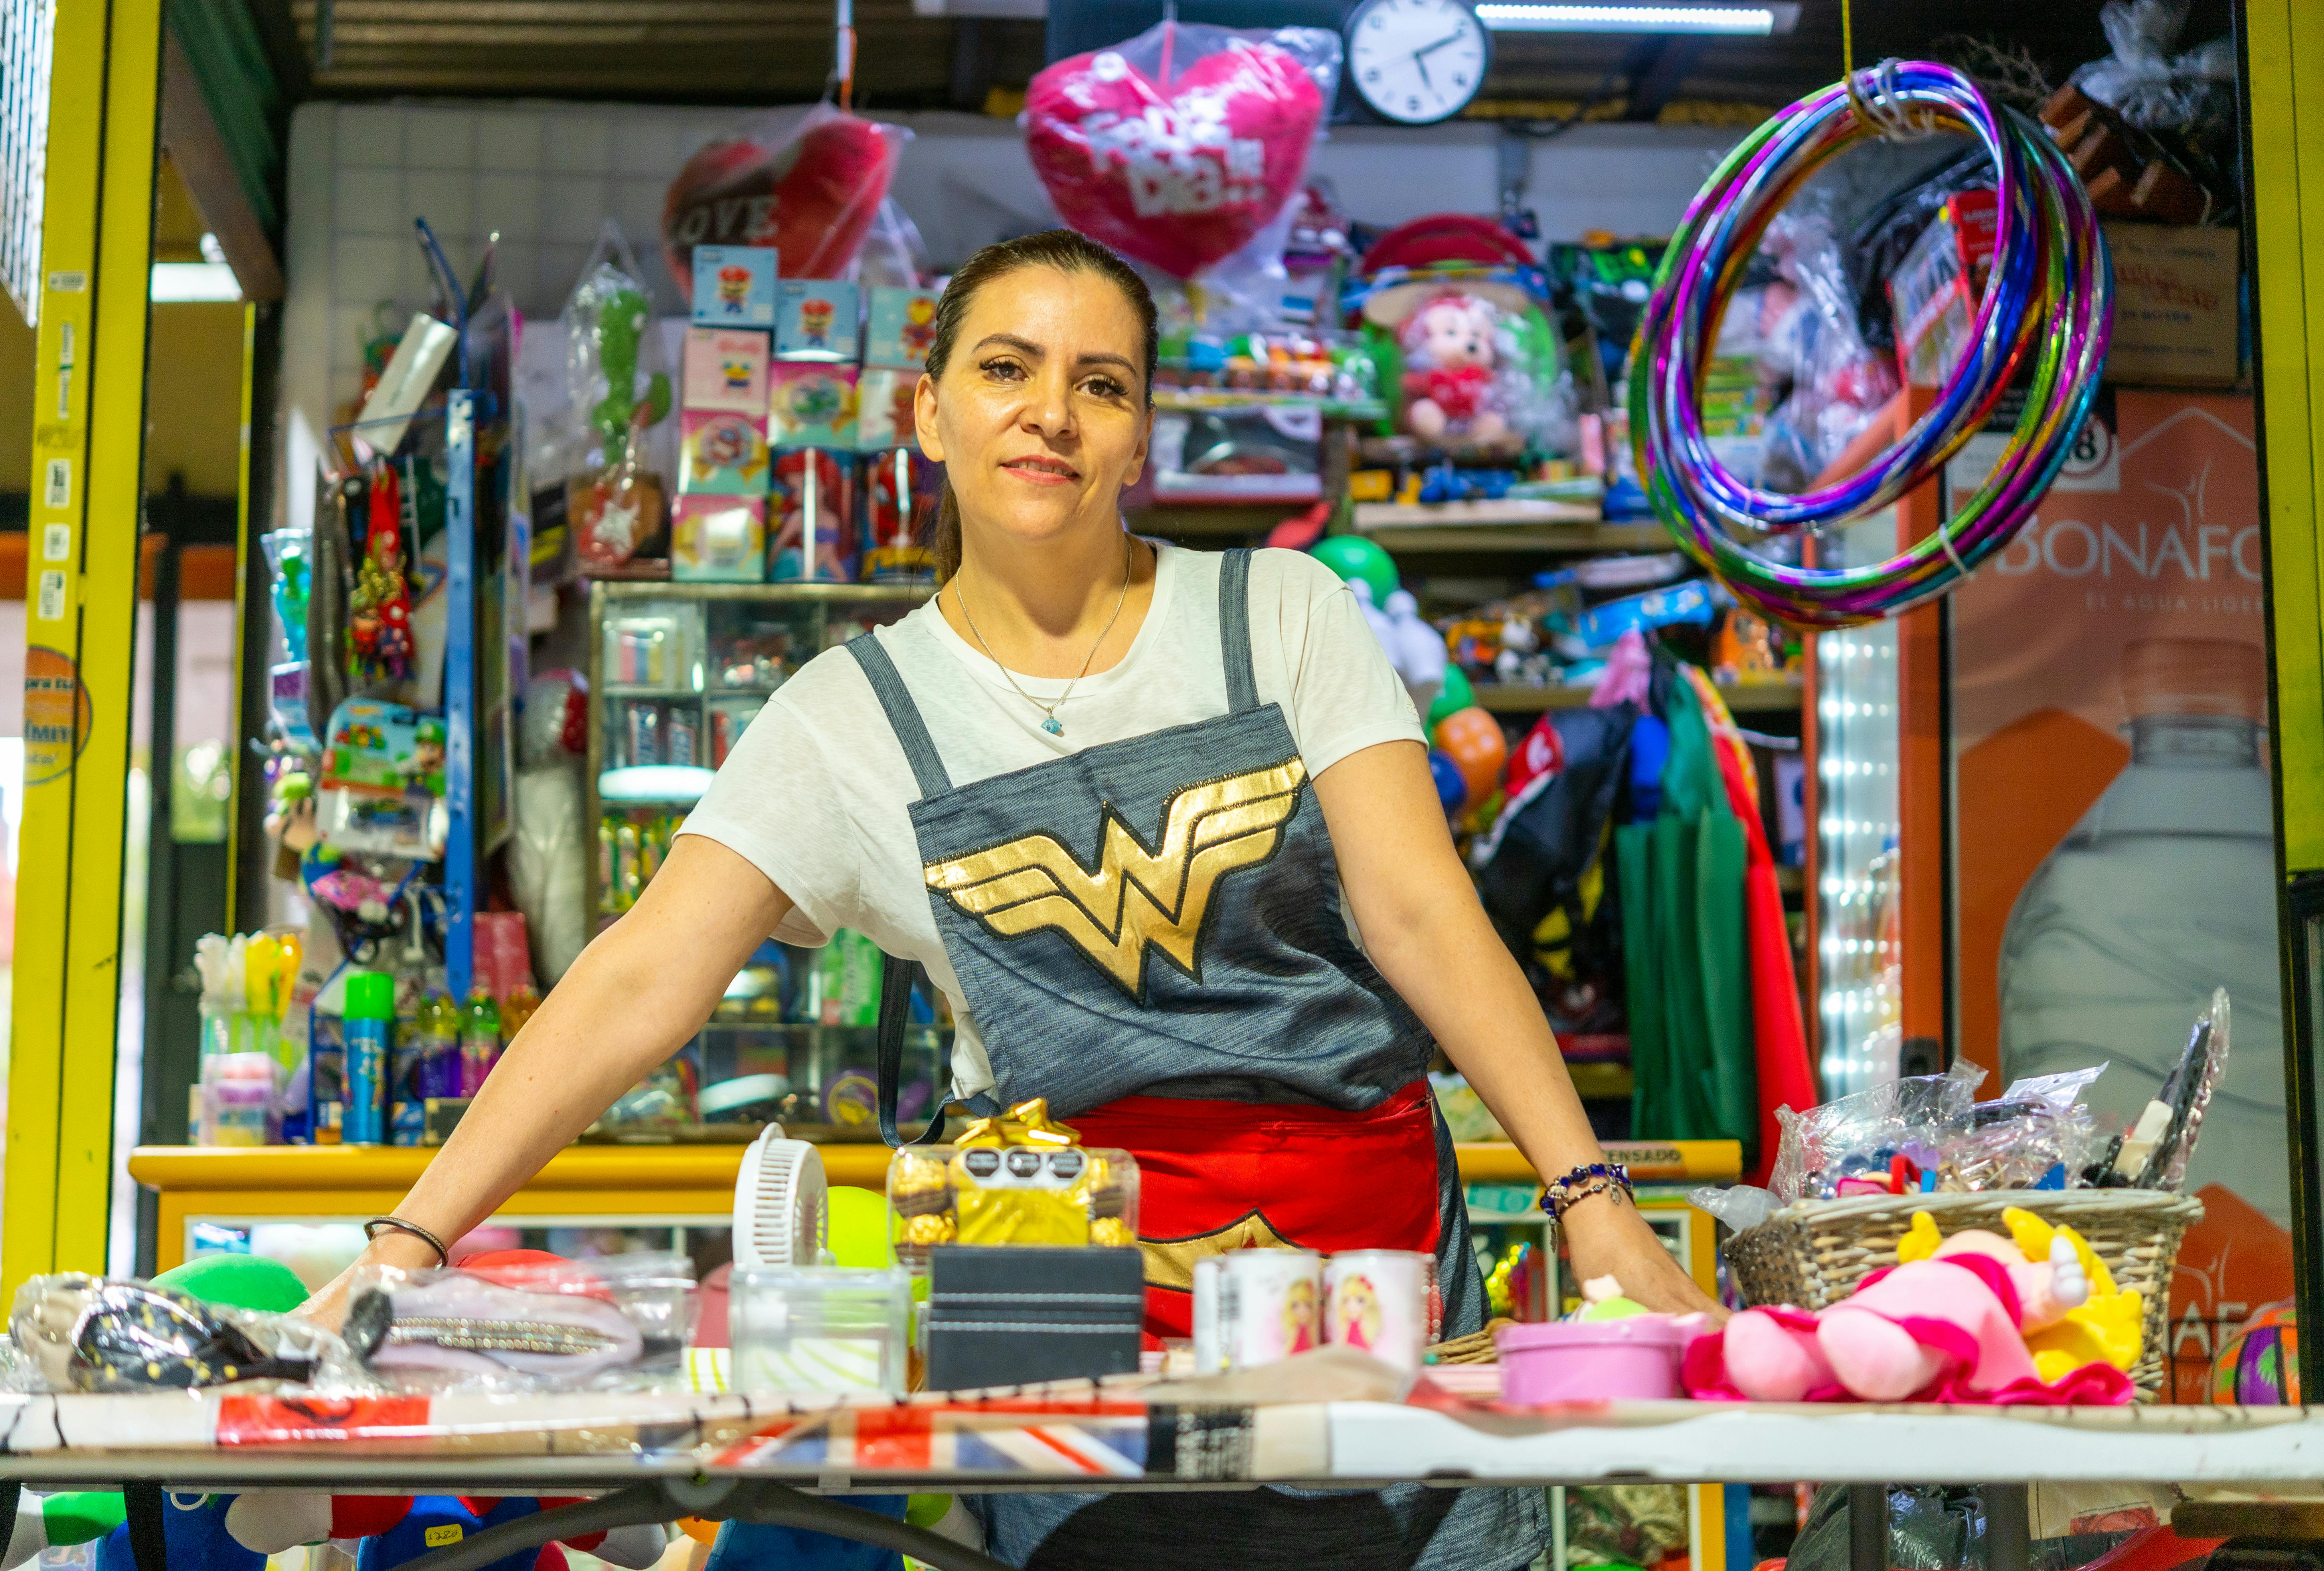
[{"x": 1040, "y": 418}]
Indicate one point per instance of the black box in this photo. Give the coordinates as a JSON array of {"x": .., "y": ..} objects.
[{"x": 1003, "y": 1316}]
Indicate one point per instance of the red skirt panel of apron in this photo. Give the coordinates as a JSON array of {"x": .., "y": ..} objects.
[{"x": 1215, "y": 1176}]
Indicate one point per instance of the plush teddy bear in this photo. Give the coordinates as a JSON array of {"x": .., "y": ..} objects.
[
  {"x": 1975, "y": 1318},
  {"x": 1449, "y": 375}
]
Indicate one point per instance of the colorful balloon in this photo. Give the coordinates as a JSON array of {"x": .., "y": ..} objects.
[
  {"x": 809, "y": 186},
  {"x": 1452, "y": 790},
  {"x": 1352, "y": 558},
  {"x": 1454, "y": 697},
  {"x": 2258, "y": 1364},
  {"x": 1472, "y": 739}
]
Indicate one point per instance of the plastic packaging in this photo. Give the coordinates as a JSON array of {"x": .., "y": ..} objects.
[
  {"x": 1737, "y": 1207},
  {"x": 1180, "y": 146},
  {"x": 2142, "y": 80},
  {"x": 1011, "y": 1189},
  {"x": 796, "y": 1328},
  {"x": 1913, "y": 1118},
  {"x": 87, "y": 1334},
  {"x": 1811, "y": 342},
  {"x": 523, "y": 1320},
  {"x": 2036, "y": 1135},
  {"x": 808, "y": 182},
  {"x": 613, "y": 367}
]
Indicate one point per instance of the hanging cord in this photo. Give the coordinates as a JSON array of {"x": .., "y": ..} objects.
[{"x": 1884, "y": 111}]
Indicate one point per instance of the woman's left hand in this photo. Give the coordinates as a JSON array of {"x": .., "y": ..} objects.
[{"x": 1606, "y": 1237}]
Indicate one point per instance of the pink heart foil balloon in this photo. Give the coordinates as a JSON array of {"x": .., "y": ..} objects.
[{"x": 1177, "y": 174}]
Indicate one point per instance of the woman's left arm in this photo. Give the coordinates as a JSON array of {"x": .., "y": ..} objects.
[{"x": 1423, "y": 926}]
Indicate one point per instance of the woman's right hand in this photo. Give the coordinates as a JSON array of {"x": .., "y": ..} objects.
[{"x": 328, "y": 1306}]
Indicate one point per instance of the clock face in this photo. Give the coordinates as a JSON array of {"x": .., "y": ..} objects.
[{"x": 1417, "y": 60}]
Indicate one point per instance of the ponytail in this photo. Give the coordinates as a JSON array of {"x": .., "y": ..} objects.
[{"x": 941, "y": 535}]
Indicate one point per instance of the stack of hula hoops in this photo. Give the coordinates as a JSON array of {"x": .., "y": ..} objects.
[{"x": 2042, "y": 325}]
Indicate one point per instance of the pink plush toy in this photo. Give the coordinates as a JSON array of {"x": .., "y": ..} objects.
[{"x": 1946, "y": 1327}]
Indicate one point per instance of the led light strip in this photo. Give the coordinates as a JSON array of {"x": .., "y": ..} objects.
[{"x": 1747, "y": 20}]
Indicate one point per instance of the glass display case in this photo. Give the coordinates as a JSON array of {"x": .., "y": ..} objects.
[{"x": 679, "y": 672}]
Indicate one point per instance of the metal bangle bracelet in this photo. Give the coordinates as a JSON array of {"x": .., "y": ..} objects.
[{"x": 397, "y": 1223}]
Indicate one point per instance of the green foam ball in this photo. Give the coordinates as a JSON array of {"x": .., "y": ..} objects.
[
  {"x": 1456, "y": 694},
  {"x": 240, "y": 1281},
  {"x": 1352, "y": 557},
  {"x": 859, "y": 1228}
]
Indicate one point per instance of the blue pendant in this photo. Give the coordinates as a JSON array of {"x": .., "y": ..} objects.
[{"x": 1054, "y": 726}]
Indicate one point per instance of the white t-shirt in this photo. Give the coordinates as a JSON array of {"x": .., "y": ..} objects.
[{"x": 817, "y": 794}]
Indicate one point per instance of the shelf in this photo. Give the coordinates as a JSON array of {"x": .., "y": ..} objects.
[
  {"x": 1190, "y": 519},
  {"x": 1371, "y": 516},
  {"x": 1537, "y": 538},
  {"x": 765, "y": 594},
  {"x": 1742, "y": 697},
  {"x": 646, "y": 690}
]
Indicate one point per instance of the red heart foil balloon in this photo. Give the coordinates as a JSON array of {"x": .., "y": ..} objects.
[
  {"x": 811, "y": 195},
  {"x": 1179, "y": 173}
]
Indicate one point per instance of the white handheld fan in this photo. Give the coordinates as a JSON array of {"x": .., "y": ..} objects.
[{"x": 782, "y": 1213}]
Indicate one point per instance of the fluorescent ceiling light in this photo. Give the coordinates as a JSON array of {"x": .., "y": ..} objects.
[
  {"x": 1747, "y": 21},
  {"x": 176, "y": 283}
]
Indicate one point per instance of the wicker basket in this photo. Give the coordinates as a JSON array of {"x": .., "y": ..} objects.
[{"x": 1815, "y": 1253}]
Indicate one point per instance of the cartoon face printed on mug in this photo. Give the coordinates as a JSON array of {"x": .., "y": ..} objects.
[
  {"x": 1356, "y": 1311},
  {"x": 1300, "y": 1328}
]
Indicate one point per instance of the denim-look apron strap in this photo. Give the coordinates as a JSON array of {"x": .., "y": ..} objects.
[
  {"x": 1234, "y": 629},
  {"x": 896, "y": 974}
]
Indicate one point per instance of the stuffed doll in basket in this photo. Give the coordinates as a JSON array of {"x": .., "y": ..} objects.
[{"x": 2033, "y": 1318}]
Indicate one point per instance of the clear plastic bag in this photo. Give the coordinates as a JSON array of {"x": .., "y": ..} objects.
[
  {"x": 1913, "y": 1118},
  {"x": 809, "y": 181},
  {"x": 1181, "y": 146},
  {"x": 2036, "y": 1135},
  {"x": 2142, "y": 80},
  {"x": 79, "y": 1333},
  {"x": 1810, "y": 339},
  {"x": 613, "y": 362},
  {"x": 522, "y": 1319}
]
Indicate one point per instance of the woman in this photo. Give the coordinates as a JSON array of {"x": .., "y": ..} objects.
[{"x": 1112, "y": 793}]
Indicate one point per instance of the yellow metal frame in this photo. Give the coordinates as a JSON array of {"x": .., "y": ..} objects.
[
  {"x": 88, "y": 437},
  {"x": 2284, "y": 70}
]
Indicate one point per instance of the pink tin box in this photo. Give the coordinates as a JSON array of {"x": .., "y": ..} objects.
[{"x": 1632, "y": 1358}]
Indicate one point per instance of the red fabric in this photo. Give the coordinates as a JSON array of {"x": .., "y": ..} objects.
[
  {"x": 366, "y": 1516},
  {"x": 1322, "y": 1179},
  {"x": 1778, "y": 1033}
]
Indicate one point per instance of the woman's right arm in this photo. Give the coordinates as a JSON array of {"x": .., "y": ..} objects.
[{"x": 635, "y": 996}]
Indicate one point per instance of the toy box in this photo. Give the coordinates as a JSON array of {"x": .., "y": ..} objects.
[
  {"x": 899, "y": 325},
  {"x": 1935, "y": 290},
  {"x": 718, "y": 540},
  {"x": 725, "y": 454},
  {"x": 811, "y": 406},
  {"x": 815, "y": 318},
  {"x": 734, "y": 286},
  {"x": 812, "y": 516},
  {"x": 883, "y": 410},
  {"x": 725, "y": 368},
  {"x": 898, "y": 488}
]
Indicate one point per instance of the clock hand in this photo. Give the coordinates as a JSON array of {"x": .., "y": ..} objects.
[
  {"x": 1439, "y": 44},
  {"x": 1420, "y": 64}
]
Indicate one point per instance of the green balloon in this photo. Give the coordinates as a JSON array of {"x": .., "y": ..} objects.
[
  {"x": 1352, "y": 557},
  {"x": 240, "y": 1281},
  {"x": 1455, "y": 694}
]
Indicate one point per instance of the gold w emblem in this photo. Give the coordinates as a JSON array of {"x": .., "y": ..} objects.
[{"x": 1136, "y": 896}]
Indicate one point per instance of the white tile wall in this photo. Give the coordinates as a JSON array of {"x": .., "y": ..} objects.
[{"x": 545, "y": 177}]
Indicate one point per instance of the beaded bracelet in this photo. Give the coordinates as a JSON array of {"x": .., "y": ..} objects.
[{"x": 1563, "y": 1195}]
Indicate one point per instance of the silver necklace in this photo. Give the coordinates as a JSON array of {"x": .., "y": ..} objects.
[{"x": 1049, "y": 721}]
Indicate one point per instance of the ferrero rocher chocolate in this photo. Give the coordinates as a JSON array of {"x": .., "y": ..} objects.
[{"x": 1015, "y": 1179}]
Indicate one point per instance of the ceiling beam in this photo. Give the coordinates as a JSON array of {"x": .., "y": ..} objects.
[{"x": 202, "y": 162}]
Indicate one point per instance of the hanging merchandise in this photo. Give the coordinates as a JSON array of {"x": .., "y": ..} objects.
[
  {"x": 1472, "y": 363},
  {"x": 618, "y": 389},
  {"x": 381, "y": 788},
  {"x": 379, "y": 612},
  {"x": 807, "y": 182},
  {"x": 616, "y": 513},
  {"x": 1785, "y": 1077},
  {"x": 2049, "y": 309},
  {"x": 1681, "y": 871},
  {"x": 1180, "y": 146}
]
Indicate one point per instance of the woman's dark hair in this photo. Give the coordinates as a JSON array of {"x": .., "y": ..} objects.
[{"x": 1067, "y": 252}]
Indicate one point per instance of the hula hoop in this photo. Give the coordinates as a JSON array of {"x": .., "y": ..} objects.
[{"x": 2049, "y": 301}]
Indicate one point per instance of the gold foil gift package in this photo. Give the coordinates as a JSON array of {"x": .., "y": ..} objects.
[{"x": 1018, "y": 1177}]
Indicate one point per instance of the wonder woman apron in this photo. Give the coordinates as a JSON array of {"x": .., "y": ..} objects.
[{"x": 1149, "y": 935}]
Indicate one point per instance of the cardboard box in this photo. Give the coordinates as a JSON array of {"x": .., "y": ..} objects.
[
  {"x": 725, "y": 368},
  {"x": 734, "y": 286},
  {"x": 2176, "y": 306}
]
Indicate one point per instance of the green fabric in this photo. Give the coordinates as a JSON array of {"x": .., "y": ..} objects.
[
  {"x": 240, "y": 1281},
  {"x": 80, "y": 1519},
  {"x": 1684, "y": 956},
  {"x": 1652, "y": 1106}
]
